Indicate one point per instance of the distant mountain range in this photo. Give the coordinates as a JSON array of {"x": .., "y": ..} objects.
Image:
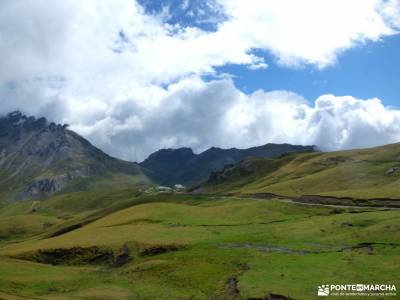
[
  {"x": 39, "y": 158},
  {"x": 182, "y": 166}
]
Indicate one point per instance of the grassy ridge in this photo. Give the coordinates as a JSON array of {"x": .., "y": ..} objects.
[{"x": 356, "y": 173}]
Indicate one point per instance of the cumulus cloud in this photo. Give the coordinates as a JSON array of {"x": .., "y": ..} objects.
[
  {"x": 200, "y": 114},
  {"x": 130, "y": 80},
  {"x": 310, "y": 31},
  {"x": 78, "y": 40},
  {"x": 332, "y": 123}
]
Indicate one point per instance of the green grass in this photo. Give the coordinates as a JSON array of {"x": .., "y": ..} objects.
[
  {"x": 24, "y": 225},
  {"x": 355, "y": 173},
  {"x": 207, "y": 242},
  {"x": 189, "y": 247},
  {"x": 301, "y": 274}
]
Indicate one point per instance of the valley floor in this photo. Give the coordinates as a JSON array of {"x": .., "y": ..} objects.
[{"x": 171, "y": 246}]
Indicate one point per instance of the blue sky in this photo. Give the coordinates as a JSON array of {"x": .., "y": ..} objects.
[{"x": 367, "y": 71}]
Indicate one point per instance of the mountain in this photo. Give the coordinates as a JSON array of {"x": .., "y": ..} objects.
[
  {"x": 182, "y": 166},
  {"x": 98, "y": 239},
  {"x": 368, "y": 173},
  {"x": 38, "y": 158}
]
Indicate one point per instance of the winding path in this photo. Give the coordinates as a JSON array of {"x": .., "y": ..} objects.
[{"x": 302, "y": 201}]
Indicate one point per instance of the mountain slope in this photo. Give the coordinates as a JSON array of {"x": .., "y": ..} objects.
[
  {"x": 194, "y": 247},
  {"x": 38, "y": 158},
  {"x": 369, "y": 173},
  {"x": 182, "y": 166}
]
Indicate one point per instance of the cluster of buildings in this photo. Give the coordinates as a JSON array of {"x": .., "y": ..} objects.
[{"x": 177, "y": 188}]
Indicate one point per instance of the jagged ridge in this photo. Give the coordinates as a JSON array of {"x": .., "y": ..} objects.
[{"x": 38, "y": 158}]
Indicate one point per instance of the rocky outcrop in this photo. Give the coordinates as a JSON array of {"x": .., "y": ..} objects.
[
  {"x": 393, "y": 171},
  {"x": 46, "y": 186}
]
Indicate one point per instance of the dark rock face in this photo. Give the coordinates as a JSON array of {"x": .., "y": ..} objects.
[
  {"x": 46, "y": 185},
  {"x": 38, "y": 158},
  {"x": 182, "y": 166}
]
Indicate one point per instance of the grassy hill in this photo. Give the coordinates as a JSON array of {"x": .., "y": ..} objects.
[
  {"x": 130, "y": 245},
  {"x": 369, "y": 173}
]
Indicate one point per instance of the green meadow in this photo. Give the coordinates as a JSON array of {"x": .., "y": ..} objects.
[{"x": 125, "y": 244}]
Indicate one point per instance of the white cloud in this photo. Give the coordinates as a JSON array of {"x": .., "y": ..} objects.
[
  {"x": 75, "y": 39},
  {"x": 131, "y": 82},
  {"x": 346, "y": 122},
  {"x": 202, "y": 114},
  {"x": 332, "y": 123},
  {"x": 310, "y": 31}
]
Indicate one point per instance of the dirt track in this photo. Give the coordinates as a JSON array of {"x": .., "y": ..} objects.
[{"x": 330, "y": 201}]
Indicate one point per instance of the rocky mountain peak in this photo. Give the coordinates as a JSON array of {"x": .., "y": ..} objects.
[
  {"x": 16, "y": 122},
  {"x": 39, "y": 158}
]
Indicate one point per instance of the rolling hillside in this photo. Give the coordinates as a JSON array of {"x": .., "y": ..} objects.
[
  {"x": 369, "y": 173},
  {"x": 170, "y": 246}
]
